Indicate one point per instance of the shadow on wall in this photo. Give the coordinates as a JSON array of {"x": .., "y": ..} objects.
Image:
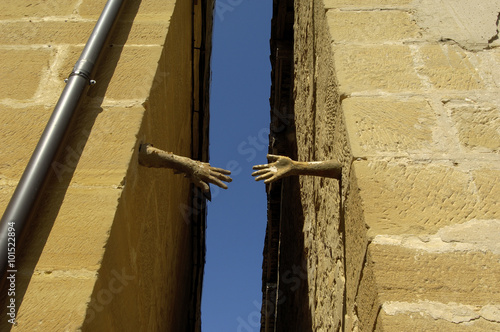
[
  {"x": 57, "y": 182},
  {"x": 293, "y": 309}
]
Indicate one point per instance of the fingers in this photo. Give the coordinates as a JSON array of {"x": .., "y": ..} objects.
[
  {"x": 273, "y": 157},
  {"x": 217, "y": 182},
  {"x": 220, "y": 176},
  {"x": 271, "y": 179},
  {"x": 200, "y": 184},
  {"x": 261, "y": 166},
  {"x": 262, "y": 171},
  {"x": 220, "y": 170},
  {"x": 264, "y": 176}
]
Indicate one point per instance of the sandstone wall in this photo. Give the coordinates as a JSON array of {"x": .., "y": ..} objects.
[
  {"x": 112, "y": 246},
  {"x": 405, "y": 94}
]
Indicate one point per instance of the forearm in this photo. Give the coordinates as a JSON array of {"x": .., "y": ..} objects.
[
  {"x": 152, "y": 157},
  {"x": 327, "y": 168}
]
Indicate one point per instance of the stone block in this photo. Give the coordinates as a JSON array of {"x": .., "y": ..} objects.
[
  {"x": 364, "y": 3},
  {"x": 355, "y": 242},
  {"x": 61, "y": 227},
  {"x": 22, "y": 68},
  {"x": 487, "y": 183},
  {"x": 72, "y": 31},
  {"x": 141, "y": 32},
  {"x": 371, "y": 26},
  {"x": 478, "y": 127},
  {"x": 368, "y": 68},
  {"x": 51, "y": 33},
  {"x": 133, "y": 75},
  {"x": 27, "y": 8},
  {"x": 6, "y": 191},
  {"x": 367, "y": 305},
  {"x": 378, "y": 125},
  {"x": 132, "y": 10},
  {"x": 414, "y": 198},
  {"x": 100, "y": 146},
  {"x": 420, "y": 321},
  {"x": 408, "y": 275},
  {"x": 20, "y": 131},
  {"x": 447, "y": 67},
  {"x": 54, "y": 301}
]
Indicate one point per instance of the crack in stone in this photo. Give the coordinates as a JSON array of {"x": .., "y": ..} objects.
[
  {"x": 452, "y": 312},
  {"x": 495, "y": 37},
  {"x": 474, "y": 235}
]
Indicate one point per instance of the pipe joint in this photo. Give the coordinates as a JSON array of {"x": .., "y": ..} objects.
[{"x": 83, "y": 68}]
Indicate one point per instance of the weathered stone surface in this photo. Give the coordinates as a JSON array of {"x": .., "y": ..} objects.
[
  {"x": 23, "y": 69},
  {"x": 473, "y": 235},
  {"x": 318, "y": 137},
  {"x": 371, "y": 68},
  {"x": 423, "y": 321},
  {"x": 63, "y": 295},
  {"x": 28, "y": 8},
  {"x": 133, "y": 75},
  {"x": 46, "y": 33},
  {"x": 408, "y": 275},
  {"x": 77, "y": 31},
  {"x": 68, "y": 244},
  {"x": 378, "y": 125},
  {"x": 421, "y": 115},
  {"x": 474, "y": 25},
  {"x": 20, "y": 130},
  {"x": 371, "y": 26},
  {"x": 478, "y": 126},
  {"x": 366, "y": 302},
  {"x": 401, "y": 198},
  {"x": 364, "y": 3},
  {"x": 133, "y": 9},
  {"x": 486, "y": 64},
  {"x": 447, "y": 67},
  {"x": 102, "y": 214},
  {"x": 6, "y": 190},
  {"x": 487, "y": 184},
  {"x": 100, "y": 155}
]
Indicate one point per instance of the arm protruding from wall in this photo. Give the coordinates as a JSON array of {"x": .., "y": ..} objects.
[
  {"x": 281, "y": 166},
  {"x": 200, "y": 173}
]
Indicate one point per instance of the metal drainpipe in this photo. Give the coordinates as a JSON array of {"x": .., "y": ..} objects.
[{"x": 29, "y": 187}]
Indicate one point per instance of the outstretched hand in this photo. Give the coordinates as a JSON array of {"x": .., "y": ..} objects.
[
  {"x": 202, "y": 174},
  {"x": 279, "y": 167}
]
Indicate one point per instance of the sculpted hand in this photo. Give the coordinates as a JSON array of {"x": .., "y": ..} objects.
[
  {"x": 282, "y": 166},
  {"x": 279, "y": 167},
  {"x": 200, "y": 173}
]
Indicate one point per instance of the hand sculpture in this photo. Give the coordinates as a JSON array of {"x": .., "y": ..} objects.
[
  {"x": 282, "y": 166},
  {"x": 200, "y": 173}
]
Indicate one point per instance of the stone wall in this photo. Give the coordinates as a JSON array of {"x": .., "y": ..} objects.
[
  {"x": 111, "y": 246},
  {"x": 405, "y": 94}
]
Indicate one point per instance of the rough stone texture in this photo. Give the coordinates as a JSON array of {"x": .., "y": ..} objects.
[
  {"x": 371, "y": 27},
  {"x": 410, "y": 275},
  {"x": 405, "y": 94},
  {"x": 447, "y": 67},
  {"x": 23, "y": 67},
  {"x": 316, "y": 119},
  {"x": 111, "y": 246},
  {"x": 472, "y": 25},
  {"x": 382, "y": 125},
  {"x": 477, "y": 126},
  {"x": 368, "y": 68},
  {"x": 420, "y": 320},
  {"x": 364, "y": 3}
]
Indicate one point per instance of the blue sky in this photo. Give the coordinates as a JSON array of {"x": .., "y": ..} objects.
[{"x": 239, "y": 126}]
